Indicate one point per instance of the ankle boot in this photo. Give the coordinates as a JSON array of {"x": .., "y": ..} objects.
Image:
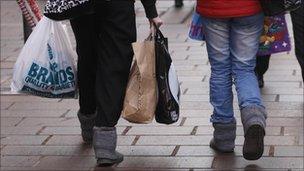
[
  {"x": 254, "y": 123},
  {"x": 87, "y": 123},
  {"x": 104, "y": 143},
  {"x": 223, "y": 137}
]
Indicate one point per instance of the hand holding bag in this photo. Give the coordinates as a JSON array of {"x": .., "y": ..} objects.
[
  {"x": 68, "y": 9},
  {"x": 141, "y": 94}
]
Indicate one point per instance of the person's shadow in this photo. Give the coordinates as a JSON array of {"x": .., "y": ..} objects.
[
  {"x": 252, "y": 167},
  {"x": 230, "y": 161}
]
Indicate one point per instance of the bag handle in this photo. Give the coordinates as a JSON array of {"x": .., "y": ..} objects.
[
  {"x": 155, "y": 33},
  {"x": 158, "y": 33}
]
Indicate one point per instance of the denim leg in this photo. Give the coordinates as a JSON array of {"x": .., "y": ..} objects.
[
  {"x": 244, "y": 41},
  {"x": 221, "y": 97}
]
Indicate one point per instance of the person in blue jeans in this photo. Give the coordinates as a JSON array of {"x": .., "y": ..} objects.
[{"x": 232, "y": 39}]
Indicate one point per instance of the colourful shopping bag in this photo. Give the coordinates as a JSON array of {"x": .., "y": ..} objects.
[{"x": 275, "y": 37}]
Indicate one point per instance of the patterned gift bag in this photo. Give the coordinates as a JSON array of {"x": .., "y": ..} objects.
[{"x": 275, "y": 37}]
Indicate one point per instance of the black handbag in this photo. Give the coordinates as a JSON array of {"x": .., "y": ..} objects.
[
  {"x": 68, "y": 9},
  {"x": 167, "y": 108},
  {"x": 275, "y": 7}
]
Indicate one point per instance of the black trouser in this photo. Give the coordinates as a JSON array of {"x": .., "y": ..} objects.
[
  {"x": 297, "y": 18},
  {"x": 262, "y": 64},
  {"x": 104, "y": 58}
]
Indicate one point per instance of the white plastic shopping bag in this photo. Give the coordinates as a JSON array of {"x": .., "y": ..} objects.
[{"x": 45, "y": 67}]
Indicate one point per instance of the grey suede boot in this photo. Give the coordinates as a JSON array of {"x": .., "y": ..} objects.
[
  {"x": 254, "y": 123},
  {"x": 104, "y": 143},
  {"x": 223, "y": 137},
  {"x": 87, "y": 123}
]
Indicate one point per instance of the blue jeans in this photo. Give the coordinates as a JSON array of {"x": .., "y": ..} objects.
[{"x": 232, "y": 45}]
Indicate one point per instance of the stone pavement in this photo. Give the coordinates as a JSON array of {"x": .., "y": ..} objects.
[{"x": 44, "y": 134}]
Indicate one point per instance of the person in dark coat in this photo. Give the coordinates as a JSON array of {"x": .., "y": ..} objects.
[{"x": 105, "y": 55}]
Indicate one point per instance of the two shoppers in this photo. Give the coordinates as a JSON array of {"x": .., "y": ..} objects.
[{"x": 232, "y": 30}]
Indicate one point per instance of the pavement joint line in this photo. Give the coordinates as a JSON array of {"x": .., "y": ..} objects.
[
  {"x": 185, "y": 91},
  {"x": 67, "y": 118},
  {"x": 4, "y": 60},
  {"x": 204, "y": 78},
  {"x": 162, "y": 13},
  {"x": 135, "y": 140},
  {"x": 187, "y": 16},
  {"x": 16, "y": 49},
  {"x": 65, "y": 113},
  {"x": 113, "y": 166},
  {"x": 40, "y": 130},
  {"x": 125, "y": 131},
  {"x": 183, "y": 121},
  {"x": 193, "y": 132},
  {"x": 282, "y": 131},
  {"x": 19, "y": 121},
  {"x": 271, "y": 151},
  {"x": 39, "y": 160},
  {"x": 175, "y": 150},
  {"x": 7, "y": 108},
  {"x": 297, "y": 140},
  {"x": 1, "y": 148},
  {"x": 213, "y": 162},
  {"x": 3, "y": 81},
  {"x": 47, "y": 139},
  {"x": 277, "y": 98}
]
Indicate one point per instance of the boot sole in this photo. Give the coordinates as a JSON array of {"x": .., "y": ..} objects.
[
  {"x": 211, "y": 145},
  {"x": 255, "y": 135},
  {"x": 108, "y": 162}
]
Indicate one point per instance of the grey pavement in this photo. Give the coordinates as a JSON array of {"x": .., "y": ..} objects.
[{"x": 44, "y": 134}]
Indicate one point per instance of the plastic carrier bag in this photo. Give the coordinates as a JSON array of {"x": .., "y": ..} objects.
[
  {"x": 45, "y": 66},
  {"x": 168, "y": 106}
]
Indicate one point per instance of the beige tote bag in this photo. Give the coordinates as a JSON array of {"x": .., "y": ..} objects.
[{"x": 141, "y": 95}]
